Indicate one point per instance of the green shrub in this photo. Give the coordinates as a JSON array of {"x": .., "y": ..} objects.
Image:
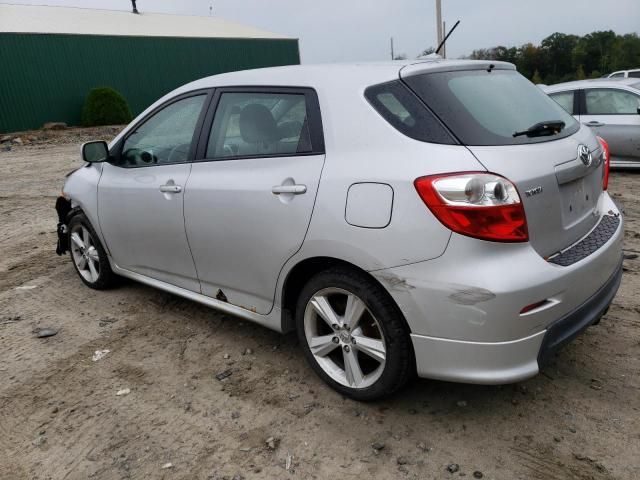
[{"x": 105, "y": 106}]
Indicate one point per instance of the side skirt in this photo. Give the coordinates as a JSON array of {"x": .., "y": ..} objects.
[{"x": 272, "y": 321}]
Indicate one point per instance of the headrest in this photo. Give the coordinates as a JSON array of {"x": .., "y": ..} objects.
[{"x": 258, "y": 125}]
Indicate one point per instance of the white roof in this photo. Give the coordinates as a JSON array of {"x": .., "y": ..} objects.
[
  {"x": 593, "y": 83},
  {"x": 358, "y": 74},
  {"x": 85, "y": 21}
]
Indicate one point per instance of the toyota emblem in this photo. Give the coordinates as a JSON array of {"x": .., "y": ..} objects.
[{"x": 584, "y": 154}]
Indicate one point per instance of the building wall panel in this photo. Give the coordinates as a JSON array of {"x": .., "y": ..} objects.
[{"x": 46, "y": 77}]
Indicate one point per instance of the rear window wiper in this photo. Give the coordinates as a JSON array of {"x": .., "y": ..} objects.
[{"x": 541, "y": 129}]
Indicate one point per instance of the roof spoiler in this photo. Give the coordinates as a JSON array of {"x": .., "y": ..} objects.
[{"x": 433, "y": 65}]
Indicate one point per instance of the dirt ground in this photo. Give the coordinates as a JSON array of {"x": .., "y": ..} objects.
[{"x": 60, "y": 417}]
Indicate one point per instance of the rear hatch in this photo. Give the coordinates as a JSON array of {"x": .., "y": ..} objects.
[{"x": 484, "y": 104}]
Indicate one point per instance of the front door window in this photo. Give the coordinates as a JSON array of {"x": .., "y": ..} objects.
[{"x": 166, "y": 137}]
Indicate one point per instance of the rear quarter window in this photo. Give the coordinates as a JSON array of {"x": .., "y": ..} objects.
[
  {"x": 400, "y": 107},
  {"x": 564, "y": 99}
]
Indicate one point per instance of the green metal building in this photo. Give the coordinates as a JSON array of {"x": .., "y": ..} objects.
[{"x": 50, "y": 57}]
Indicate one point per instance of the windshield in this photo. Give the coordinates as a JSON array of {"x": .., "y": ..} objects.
[{"x": 488, "y": 107}]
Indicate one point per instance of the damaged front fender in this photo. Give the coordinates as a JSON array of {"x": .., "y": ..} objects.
[{"x": 63, "y": 208}]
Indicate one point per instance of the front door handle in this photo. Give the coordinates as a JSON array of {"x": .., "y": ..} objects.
[
  {"x": 294, "y": 189},
  {"x": 170, "y": 188},
  {"x": 594, "y": 123}
]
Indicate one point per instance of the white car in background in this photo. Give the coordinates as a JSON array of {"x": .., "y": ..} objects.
[
  {"x": 611, "y": 107},
  {"x": 624, "y": 74}
]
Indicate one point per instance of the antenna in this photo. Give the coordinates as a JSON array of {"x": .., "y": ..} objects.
[{"x": 448, "y": 34}]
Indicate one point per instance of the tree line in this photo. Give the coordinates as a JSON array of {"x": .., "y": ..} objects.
[{"x": 561, "y": 57}]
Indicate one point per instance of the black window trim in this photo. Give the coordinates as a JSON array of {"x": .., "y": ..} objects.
[
  {"x": 115, "y": 153},
  {"x": 582, "y": 107},
  {"x": 314, "y": 117},
  {"x": 615, "y": 88}
]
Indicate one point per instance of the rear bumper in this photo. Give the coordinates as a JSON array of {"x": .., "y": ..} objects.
[
  {"x": 513, "y": 361},
  {"x": 625, "y": 164},
  {"x": 570, "y": 326},
  {"x": 464, "y": 308}
]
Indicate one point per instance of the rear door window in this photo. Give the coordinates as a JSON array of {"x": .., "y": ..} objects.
[
  {"x": 254, "y": 124},
  {"x": 608, "y": 101},
  {"x": 487, "y": 107},
  {"x": 565, "y": 100}
]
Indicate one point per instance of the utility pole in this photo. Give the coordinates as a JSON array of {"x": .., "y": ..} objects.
[
  {"x": 393, "y": 57},
  {"x": 439, "y": 21},
  {"x": 444, "y": 47}
]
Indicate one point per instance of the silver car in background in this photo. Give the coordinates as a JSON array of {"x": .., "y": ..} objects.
[
  {"x": 611, "y": 108},
  {"x": 444, "y": 218}
]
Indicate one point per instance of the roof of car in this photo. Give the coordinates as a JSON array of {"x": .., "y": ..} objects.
[
  {"x": 593, "y": 83},
  {"x": 361, "y": 74},
  {"x": 323, "y": 77}
]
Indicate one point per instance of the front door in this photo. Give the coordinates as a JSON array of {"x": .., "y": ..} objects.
[
  {"x": 250, "y": 195},
  {"x": 141, "y": 195},
  {"x": 614, "y": 115}
]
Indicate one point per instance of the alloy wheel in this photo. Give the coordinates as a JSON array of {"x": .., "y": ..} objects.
[
  {"x": 84, "y": 253},
  {"x": 345, "y": 338}
]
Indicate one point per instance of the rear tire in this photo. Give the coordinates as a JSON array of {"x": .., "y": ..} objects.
[
  {"x": 88, "y": 256},
  {"x": 353, "y": 335}
]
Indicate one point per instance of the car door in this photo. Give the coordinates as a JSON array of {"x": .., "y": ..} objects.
[
  {"x": 613, "y": 114},
  {"x": 141, "y": 193},
  {"x": 252, "y": 189}
]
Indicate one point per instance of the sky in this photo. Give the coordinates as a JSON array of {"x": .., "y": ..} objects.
[{"x": 350, "y": 30}]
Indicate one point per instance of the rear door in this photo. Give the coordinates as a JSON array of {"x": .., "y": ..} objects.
[
  {"x": 251, "y": 192},
  {"x": 490, "y": 107},
  {"x": 614, "y": 114}
]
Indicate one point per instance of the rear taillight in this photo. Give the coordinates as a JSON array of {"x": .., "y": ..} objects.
[
  {"x": 606, "y": 156},
  {"x": 479, "y": 205}
]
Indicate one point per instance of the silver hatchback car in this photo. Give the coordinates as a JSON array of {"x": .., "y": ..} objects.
[
  {"x": 611, "y": 108},
  {"x": 444, "y": 218}
]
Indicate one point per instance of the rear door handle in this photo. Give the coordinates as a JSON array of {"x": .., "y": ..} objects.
[
  {"x": 594, "y": 123},
  {"x": 169, "y": 188},
  {"x": 295, "y": 189}
]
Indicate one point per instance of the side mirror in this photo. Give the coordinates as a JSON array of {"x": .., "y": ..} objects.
[{"x": 95, "y": 152}]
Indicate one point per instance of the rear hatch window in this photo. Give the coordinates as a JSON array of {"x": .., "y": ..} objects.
[{"x": 490, "y": 107}]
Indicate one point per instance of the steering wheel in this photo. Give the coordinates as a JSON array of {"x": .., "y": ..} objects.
[
  {"x": 137, "y": 156},
  {"x": 176, "y": 149}
]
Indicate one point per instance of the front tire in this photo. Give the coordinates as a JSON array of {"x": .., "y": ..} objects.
[
  {"x": 87, "y": 254},
  {"x": 353, "y": 335}
]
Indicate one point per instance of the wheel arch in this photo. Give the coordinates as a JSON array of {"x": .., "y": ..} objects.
[{"x": 303, "y": 271}]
